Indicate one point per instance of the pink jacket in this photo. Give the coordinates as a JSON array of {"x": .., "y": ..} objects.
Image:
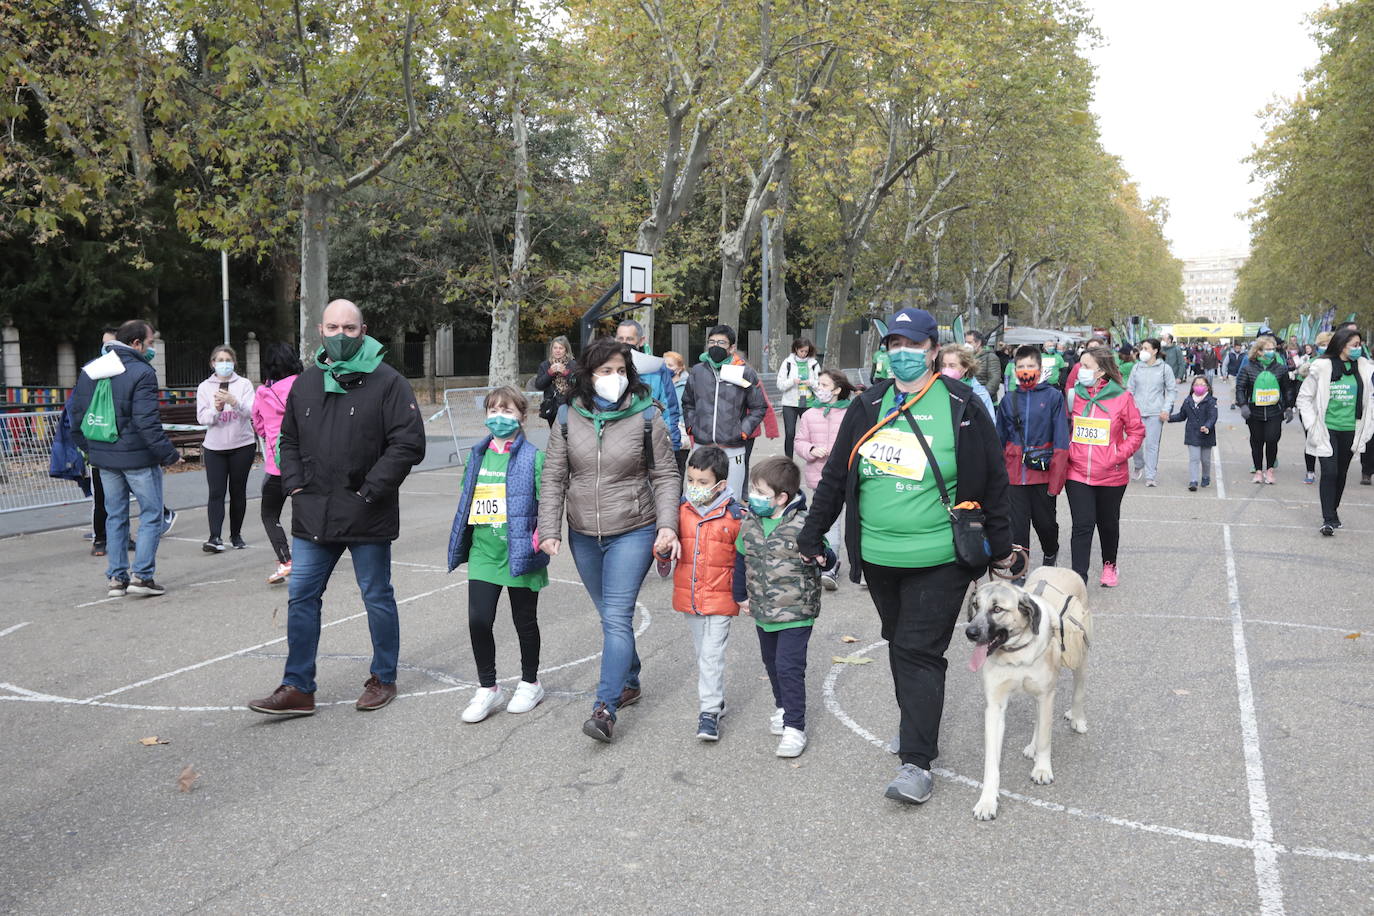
[
  {"x": 268, "y": 408},
  {"x": 819, "y": 430},
  {"x": 1104, "y": 465}
]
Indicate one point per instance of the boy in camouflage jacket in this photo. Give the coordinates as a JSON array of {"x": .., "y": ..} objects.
[{"x": 780, "y": 590}]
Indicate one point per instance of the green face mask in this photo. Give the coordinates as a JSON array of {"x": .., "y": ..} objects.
[
  {"x": 762, "y": 506},
  {"x": 502, "y": 427},
  {"x": 149, "y": 353},
  {"x": 341, "y": 348}
]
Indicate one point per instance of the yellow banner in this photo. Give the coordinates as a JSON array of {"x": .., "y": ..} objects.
[{"x": 1209, "y": 330}]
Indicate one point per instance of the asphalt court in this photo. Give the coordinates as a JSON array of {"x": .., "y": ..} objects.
[{"x": 1224, "y": 770}]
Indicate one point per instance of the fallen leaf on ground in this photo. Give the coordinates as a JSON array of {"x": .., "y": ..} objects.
[
  {"x": 1181, "y": 692},
  {"x": 274, "y": 615},
  {"x": 1352, "y": 636},
  {"x": 796, "y": 766},
  {"x": 849, "y": 639},
  {"x": 850, "y": 659},
  {"x": 153, "y": 739},
  {"x": 187, "y": 778}
]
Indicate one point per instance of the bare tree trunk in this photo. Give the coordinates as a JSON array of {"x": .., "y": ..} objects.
[
  {"x": 315, "y": 213},
  {"x": 431, "y": 355},
  {"x": 839, "y": 305},
  {"x": 286, "y": 275},
  {"x": 736, "y": 242},
  {"x": 505, "y": 318},
  {"x": 777, "y": 345}
]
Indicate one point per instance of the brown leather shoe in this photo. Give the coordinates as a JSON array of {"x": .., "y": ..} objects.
[
  {"x": 600, "y": 726},
  {"x": 286, "y": 701},
  {"x": 628, "y": 697},
  {"x": 375, "y": 695}
]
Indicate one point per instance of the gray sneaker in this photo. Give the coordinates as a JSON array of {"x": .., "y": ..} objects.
[{"x": 912, "y": 785}]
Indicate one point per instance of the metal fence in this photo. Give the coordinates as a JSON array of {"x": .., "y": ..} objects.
[
  {"x": 25, "y": 448},
  {"x": 467, "y": 417}
]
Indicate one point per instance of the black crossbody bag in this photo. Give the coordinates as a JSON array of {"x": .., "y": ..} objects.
[{"x": 965, "y": 520}]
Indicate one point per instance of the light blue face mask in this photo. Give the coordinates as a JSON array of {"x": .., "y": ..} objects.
[
  {"x": 762, "y": 506},
  {"x": 224, "y": 369},
  {"x": 1356, "y": 352}
]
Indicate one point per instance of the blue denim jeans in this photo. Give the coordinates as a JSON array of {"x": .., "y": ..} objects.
[
  {"x": 312, "y": 565},
  {"x": 146, "y": 486},
  {"x": 613, "y": 568}
]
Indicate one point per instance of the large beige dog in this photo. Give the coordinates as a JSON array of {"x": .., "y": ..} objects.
[{"x": 1021, "y": 637}]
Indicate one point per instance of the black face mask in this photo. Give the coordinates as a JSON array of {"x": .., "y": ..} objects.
[{"x": 717, "y": 354}]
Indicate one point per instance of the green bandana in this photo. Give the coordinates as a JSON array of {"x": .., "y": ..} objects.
[
  {"x": 638, "y": 404},
  {"x": 365, "y": 361},
  {"x": 826, "y": 408},
  {"x": 1109, "y": 390}
]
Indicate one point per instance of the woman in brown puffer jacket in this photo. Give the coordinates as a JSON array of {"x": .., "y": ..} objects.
[{"x": 611, "y": 462}]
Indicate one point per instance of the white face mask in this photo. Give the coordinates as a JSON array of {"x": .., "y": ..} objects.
[{"x": 610, "y": 387}]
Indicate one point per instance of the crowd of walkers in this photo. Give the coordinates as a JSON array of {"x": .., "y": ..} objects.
[{"x": 648, "y": 465}]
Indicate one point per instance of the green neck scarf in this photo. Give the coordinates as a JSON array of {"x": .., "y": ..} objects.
[
  {"x": 837, "y": 405},
  {"x": 638, "y": 404},
  {"x": 711, "y": 362},
  {"x": 1109, "y": 390},
  {"x": 365, "y": 361}
]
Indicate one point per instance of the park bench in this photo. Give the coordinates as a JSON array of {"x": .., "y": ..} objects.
[{"x": 177, "y": 420}]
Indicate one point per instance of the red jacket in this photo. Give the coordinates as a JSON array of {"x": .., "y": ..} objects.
[
  {"x": 1103, "y": 465},
  {"x": 706, "y": 570}
]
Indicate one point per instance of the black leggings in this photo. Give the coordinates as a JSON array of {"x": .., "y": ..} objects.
[
  {"x": 524, "y": 608},
  {"x": 273, "y": 498},
  {"x": 98, "y": 515},
  {"x": 1264, "y": 441},
  {"x": 228, "y": 472},
  {"x": 1094, "y": 508},
  {"x": 789, "y": 427},
  {"x": 1332, "y": 483},
  {"x": 1309, "y": 459}
]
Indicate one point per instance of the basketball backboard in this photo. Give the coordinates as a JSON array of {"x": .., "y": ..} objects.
[{"x": 636, "y": 277}]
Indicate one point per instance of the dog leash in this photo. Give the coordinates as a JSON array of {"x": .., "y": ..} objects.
[{"x": 1008, "y": 571}]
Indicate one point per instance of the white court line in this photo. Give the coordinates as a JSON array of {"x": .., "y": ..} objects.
[
  {"x": 101, "y": 601},
  {"x": 211, "y": 582},
  {"x": 17, "y": 626},
  {"x": 1267, "y": 876},
  {"x": 1218, "y": 477},
  {"x": 429, "y": 566},
  {"x": 1208, "y": 521},
  {"x": 271, "y": 642},
  {"x": 832, "y": 704}
]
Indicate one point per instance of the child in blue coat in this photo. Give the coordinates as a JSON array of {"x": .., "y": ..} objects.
[
  {"x": 1199, "y": 412},
  {"x": 494, "y": 533}
]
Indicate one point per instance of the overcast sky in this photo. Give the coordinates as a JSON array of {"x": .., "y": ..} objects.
[{"x": 1179, "y": 88}]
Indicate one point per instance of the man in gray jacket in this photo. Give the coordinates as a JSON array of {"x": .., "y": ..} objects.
[
  {"x": 989, "y": 370},
  {"x": 723, "y": 401},
  {"x": 1174, "y": 357},
  {"x": 1152, "y": 386}
]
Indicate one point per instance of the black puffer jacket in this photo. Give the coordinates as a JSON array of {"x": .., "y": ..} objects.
[
  {"x": 977, "y": 451},
  {"x": 141, "y": 442},
  {"x": 348, "y": 455},
  {"x": 1245, "y": 384}
]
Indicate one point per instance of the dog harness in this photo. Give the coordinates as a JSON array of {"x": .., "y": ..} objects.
[{"x": 1064, "y": 615}]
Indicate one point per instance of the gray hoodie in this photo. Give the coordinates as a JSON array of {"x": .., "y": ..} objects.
[{"x": 1152, "y": 386}]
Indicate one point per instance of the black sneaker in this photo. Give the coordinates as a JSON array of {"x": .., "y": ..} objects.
[
  {"x": 1050, "y": 559},
  {"x": 118, "y": 587},
  {"x": 600, "y": 725},
  {"x": 145, "y": 587},
  {"x": 237, "y": 541},
  {"x": 169, "y": 518},
  {"x": 708, "y": 726},
  {"x": 213, "y": 545},
  {"x": 1327, "y": 530},
  {"x": 97, "y": 548}
]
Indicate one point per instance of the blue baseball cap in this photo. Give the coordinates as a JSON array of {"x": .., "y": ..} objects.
[{"x": 917, "y": 325}]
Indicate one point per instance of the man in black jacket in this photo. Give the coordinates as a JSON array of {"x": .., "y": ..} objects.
[
  {"x": 133, "y": 462},
  {"x": 897, "y": 525},
  {"x": 349, "y": 437}
]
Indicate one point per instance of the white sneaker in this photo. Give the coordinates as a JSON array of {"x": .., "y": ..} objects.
[
  {"x": 482, "y": 703},
  {"x": 793, "y": 742},
  {"x": 775, "y": 723},
  {"x": 527, "y": 696}
]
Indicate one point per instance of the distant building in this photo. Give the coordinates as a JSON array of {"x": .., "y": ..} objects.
[{"x": 1209, "y": 284}]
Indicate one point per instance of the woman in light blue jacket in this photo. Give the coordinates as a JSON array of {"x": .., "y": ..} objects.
[{"x": 1152, "y": 386}]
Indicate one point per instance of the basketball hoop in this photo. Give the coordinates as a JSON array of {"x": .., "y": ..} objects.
[{"x": 640, "y": 297}]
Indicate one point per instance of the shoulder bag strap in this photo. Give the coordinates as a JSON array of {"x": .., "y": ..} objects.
[{"x": 930, "y": 459}]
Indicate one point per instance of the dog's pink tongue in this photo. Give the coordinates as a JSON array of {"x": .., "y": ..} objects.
[{"x": 980, "y": 655}]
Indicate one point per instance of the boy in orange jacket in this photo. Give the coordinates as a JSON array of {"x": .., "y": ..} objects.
[{"x": 708, "y": 523}]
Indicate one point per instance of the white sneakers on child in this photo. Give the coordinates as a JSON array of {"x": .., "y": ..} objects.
[
  {"x": 482, "y": 703},
  {"x": 793, "y": 742},
  {"x": 527, "y": 696},
  {"x": 775, "y": 723}
]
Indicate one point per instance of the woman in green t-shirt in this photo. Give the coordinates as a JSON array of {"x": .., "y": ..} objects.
[
  {"x": 1336, "y": 403},
  {"x": 897, "y": 530}
]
